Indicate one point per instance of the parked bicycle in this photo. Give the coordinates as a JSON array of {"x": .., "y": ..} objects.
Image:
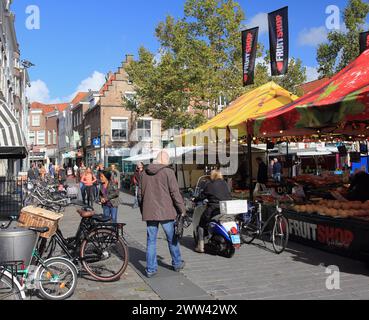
[
  {"x": 54, "y": 278},
  {"x": 252, "y": 227},
  {"x": 45, "y": 196},
  {"x": 98, "y": 246}
]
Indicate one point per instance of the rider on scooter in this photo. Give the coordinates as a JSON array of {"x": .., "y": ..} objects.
[{"x": 215, "y": 191}]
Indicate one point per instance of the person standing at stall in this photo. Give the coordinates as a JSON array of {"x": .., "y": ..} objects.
[{"x": 277, "y": 171}]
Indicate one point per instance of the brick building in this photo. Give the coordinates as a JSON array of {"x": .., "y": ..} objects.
[
  {"x": 111, "y": 132},
  {"x": 43, "y": 139}
]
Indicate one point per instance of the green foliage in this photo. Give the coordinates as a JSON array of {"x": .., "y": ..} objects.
[
  {"x": 343, "y": 46},
  {"x": 200, "y": 60}
]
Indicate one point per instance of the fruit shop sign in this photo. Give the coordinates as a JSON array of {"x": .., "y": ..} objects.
[{"x": 323, "y": 234}]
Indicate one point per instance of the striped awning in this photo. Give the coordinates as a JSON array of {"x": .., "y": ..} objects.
[{"x": 12, "y": 141}]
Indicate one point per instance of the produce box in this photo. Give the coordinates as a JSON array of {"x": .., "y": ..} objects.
[
  {"x": 234, "y": 207},
  {"x": 40, "y": 218}
]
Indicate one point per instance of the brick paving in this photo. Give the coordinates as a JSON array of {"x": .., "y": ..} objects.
[{"x": 255, "y": 272}]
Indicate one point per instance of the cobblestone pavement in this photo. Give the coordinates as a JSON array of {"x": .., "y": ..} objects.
[
  {"x": 130, "y": 287},
  {"x": 255, "y": 272}
]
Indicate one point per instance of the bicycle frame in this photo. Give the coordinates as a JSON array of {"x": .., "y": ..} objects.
[
  {"x": 85, "y": 228},
  {"x": 261, "y": 225}
]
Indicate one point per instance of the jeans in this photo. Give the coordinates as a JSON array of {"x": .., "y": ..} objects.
[
  {"x": 111, "y": 213},
  {"x": 173, "y": 244}
]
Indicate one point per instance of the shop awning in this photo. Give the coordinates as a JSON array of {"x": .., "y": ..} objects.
[
  {"x": 340, "y": 105},
  {"x": 174, "y": 153},
  {"x": 250, "y": 105},
  {"x": 12, "y": 141}
]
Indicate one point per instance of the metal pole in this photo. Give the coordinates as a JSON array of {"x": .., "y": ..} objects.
[
  {"x": 249, "y": 151},
  {"x": 367, "y": 155}
]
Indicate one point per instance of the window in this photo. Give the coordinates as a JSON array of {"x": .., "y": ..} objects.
[
  {"x": 36, "y": 121},
  {"x": 119, "y": 129},
  {"x": 88, "y": 136},
  {"x": 32, "y": 138},
  {"x": 54, "y": 137},
  {"x": 144, "y": 129},
  {"x": 41, "y": 138},
  {"x": 49, "y": 141}
]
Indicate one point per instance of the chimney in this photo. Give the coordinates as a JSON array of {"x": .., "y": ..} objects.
[{"x": 129, "y": 58}]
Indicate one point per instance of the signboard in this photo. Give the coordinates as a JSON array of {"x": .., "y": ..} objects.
[
  {"x": 249, "y": 49},
  {"x": 96, "y": 143},
  {"x": 346, "y": 237},
  {"x": 279, "y": 38}
]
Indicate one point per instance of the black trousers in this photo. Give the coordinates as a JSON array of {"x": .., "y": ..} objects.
[{"x": 90, "y": 195}]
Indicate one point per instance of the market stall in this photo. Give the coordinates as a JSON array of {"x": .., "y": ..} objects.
[{"x": 332, "y": 212}]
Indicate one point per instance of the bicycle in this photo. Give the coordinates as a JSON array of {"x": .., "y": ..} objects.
[
  {"x": 54, "y": 278},
  {"x": 252, "y": 226},
  {"x": 99, "y": 246}
]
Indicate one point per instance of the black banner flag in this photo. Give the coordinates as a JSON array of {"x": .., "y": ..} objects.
[
  {"x": 279, "y": 38},
  {"x": 249, "y": 50},
  {"x": 364, "y": 41}
]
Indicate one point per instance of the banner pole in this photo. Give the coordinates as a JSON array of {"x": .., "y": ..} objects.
[{"x": 249, "y": 153}]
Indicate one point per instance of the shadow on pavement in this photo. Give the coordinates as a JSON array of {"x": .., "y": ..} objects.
[
  {"x": 137, "y": 258},
  {"x": 308, "y": 255}
]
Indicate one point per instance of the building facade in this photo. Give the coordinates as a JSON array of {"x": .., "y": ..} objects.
[
  {"x": 112, "y": 133},
  {"x": 13, "y": 83},
  {"x": 43, "y": 132}
]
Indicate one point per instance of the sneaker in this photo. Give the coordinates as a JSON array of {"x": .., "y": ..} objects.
[
  {"x": 180, "y": 268},
  {"x": 151, "y": 275}
]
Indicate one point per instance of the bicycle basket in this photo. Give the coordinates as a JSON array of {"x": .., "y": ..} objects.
[{"x": 40, "y": 218}]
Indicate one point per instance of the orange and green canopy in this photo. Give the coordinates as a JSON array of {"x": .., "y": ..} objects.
[{"x": 339, "y": 106}]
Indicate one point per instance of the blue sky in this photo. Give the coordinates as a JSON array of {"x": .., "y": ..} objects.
[{"x": 80, "y": 41}]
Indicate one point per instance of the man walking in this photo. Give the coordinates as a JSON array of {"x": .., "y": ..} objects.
[{"x": 161, "y": 203}]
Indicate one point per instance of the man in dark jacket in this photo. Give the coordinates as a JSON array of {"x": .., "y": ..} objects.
[
  {"x": 161, "y": 203},
  {"x": 262, "y": 172}
]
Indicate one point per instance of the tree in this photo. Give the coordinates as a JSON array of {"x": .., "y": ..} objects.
[
  {"x": 343, "y": 46},
  {"x": 200, "y": 60},
  {"x": 291, "y": 81}
]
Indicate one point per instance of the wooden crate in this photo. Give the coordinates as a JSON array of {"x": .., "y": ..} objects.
[{"x": 40, "y": 218}]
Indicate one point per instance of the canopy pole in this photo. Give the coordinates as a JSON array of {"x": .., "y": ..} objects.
[
  {"x": 288, "y": 156},
  {"x": 249, "y": 154},
  {"x": 367, "y": 153}
]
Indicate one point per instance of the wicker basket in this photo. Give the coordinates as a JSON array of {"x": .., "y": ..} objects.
[{"x": 40, "y": 218}]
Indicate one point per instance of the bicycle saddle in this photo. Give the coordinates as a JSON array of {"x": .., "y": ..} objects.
[
  {"x": 101, "y": 218},
  {"x": 84, "y": 213}
]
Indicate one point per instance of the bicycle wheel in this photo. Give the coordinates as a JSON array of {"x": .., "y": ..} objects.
[
  {"x": 8, "y": 291},
  {"x": 104, "y": 255},
  {"x": 280, "y": 234},
  {"x": 249, "y": 231},
  {"x": 57, "y": 279}
]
